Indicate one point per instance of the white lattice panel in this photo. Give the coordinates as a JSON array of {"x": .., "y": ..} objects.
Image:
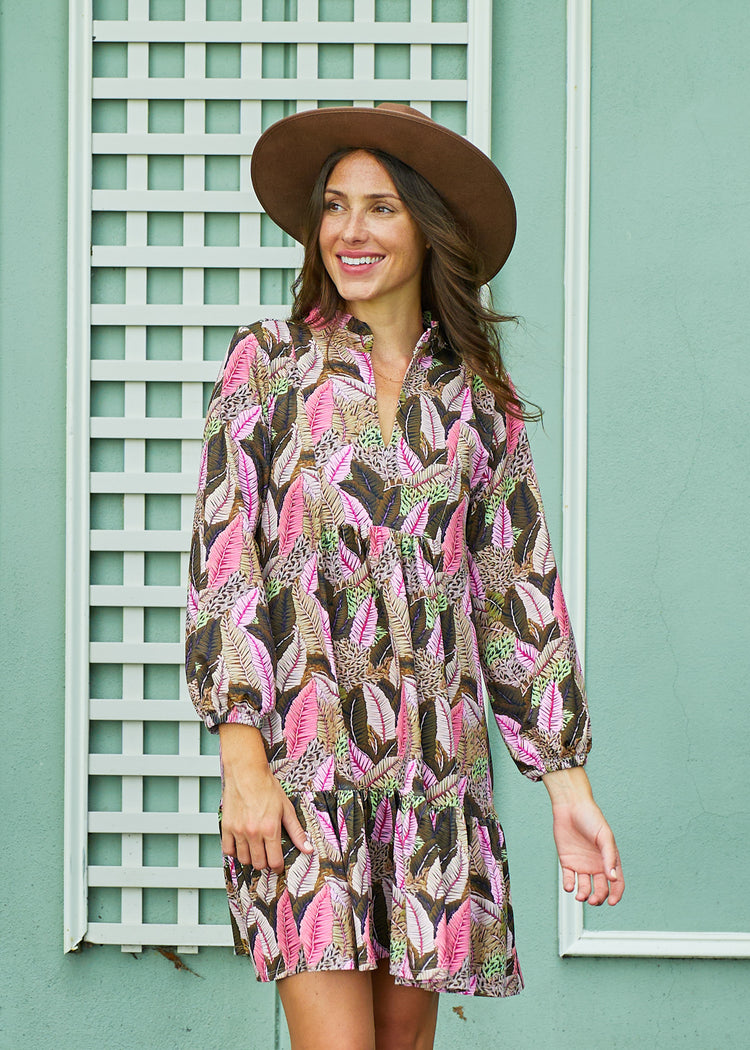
[{"x": 167, "y": 100}]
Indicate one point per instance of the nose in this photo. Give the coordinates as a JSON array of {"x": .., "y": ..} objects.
[{"x": 354, "y": 230}]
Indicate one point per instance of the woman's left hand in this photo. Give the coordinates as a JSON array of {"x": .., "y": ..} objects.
[{"x": 585, "y": 842}]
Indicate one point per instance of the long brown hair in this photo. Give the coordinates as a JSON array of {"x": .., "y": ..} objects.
[{"x": 451, "y": 285}]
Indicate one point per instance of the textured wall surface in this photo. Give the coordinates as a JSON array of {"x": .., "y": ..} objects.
[{"x": 668, "y": 446}]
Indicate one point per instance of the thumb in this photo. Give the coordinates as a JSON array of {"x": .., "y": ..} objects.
[{"x": 297, "y": 833}]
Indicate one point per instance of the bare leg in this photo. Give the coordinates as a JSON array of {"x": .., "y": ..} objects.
[
  {"x": 405, "y": 1018},
  {"x": 329, "y": 1010}
]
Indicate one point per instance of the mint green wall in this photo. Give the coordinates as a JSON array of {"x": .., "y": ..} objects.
[{"x": 668, "y": 321}]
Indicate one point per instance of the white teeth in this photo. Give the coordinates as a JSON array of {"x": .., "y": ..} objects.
[{"x": 363, "y": 260}]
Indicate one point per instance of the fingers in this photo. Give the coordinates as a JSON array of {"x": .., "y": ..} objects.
[
  {"x": 584, "y": 887},
  {"x": 297, "y": 833}
]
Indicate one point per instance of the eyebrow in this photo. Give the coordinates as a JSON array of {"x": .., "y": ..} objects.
[{"x": 369, "y": 196}]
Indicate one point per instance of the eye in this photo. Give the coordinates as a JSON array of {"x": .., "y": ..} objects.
[
  {"x": 384, "y": 209},
  {"x": 332, "y": 205}
]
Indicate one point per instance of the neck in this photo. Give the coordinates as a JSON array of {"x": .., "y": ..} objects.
[{"x": 395, "y": 332}]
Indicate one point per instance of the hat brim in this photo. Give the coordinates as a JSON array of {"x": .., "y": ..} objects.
[{"x": 288, "y": 157}]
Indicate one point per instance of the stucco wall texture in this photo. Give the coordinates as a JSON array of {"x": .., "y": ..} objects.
[{"x": 666, "y": 661}]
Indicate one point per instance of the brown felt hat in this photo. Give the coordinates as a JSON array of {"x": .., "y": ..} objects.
[{"x": 289, "y": 155}]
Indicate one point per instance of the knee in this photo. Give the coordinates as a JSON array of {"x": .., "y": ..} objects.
[{"x": 392, "y": 1036}]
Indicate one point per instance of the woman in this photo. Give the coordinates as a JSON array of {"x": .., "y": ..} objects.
[{"x": 371, "y": 564}]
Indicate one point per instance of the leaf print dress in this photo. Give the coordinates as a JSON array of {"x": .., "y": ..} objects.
[{"x": 362, "y": 605}]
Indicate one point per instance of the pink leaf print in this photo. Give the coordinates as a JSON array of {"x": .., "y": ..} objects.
[
  {"x": 364, "y": 363},
  {"x": 303, "y": 874},
  {"x": 225, "y": 554},
  {"x": 521, "y": 749},
  {"x": 286, "y": 929},
  {"x": 323, "y": 779},
  {"x": 526, "y": 654},
  {"x": 409, "y": 774},
  {"x": 260, "y": 962},
  {"x": 310, "y": 365},
  {"x": 476, "y": 587},
  {"x": 457, "y": 718},
  {"x": 432, "y": 427},
  {"x": 364, "y": 623},
  {"x": 269, "y": 521},
  {"x": 403, "y": 726},
  {"x": 292, "y": 516},
  {"x": 339, "y": 465},
  {"x": 406, "y": 831},
  {"x": 290, "y": 666},
  {"x": 309, "y": 576},
  {"x": 237, "y": 370},
  {"x": 244, "y": 609},
  {"x": 325, "y": 627},
  {"x": 382, "y": 830},
  {"x": 378, "y": 536},
  {"x": 514, "y": 429},
  {"x": 316, "y": 928},
  {"x": 425, "y": 571},
  {"x": 243, "y": 424},
  {"x": 444, "y": 725},
  {"x": 380, "y": 716},
  {"x": 343, "y": 830},
  {"x": 458, "y": 938},
  {"x": 415, "y": 521},
  {"x": 192, "y": 603},
  {"x": 454, "y": 436},
  {"x": 551, "y": 709},
  {"x": 265, "y": 935},
  {"x": 418, "y": 926},
  {"x": 219, "y": 503},
  {"x": 330, "y": 834},
  {"x": 355, "y": 513},
  {"x": 360, "y": 876},
  {"x": 560, "y": 609},
  {"x": 542, "y": 558},
  {"x": 319, "y": 408},
  {"x": 538, "y": 608},
  {"x": 466, "y": 406},
  {"x": 479, "y": 461},
  {"x": 490, "y": 862},
  {"x": 349, "y": 561},
  {"x": 264, "y": 673},
  {"x": 435, "y": 646},
  {"x": 502, "y": 528},
  {"x": 409, "y": 462},
  {"x": 287, "y": 458},
  {"x": 453, "y": 540},
  {"x": 361, "y": 763},
  {"x": 248, "y": 479},
  {"x": 301, "y": 723}
]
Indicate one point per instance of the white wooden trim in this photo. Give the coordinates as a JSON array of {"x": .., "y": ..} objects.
[
  {"x": 283, "y": 32},
  {"x": 574, "y": 939},
  {"x": 479, "y": 75},
  {"x": 77, "y": 472},
  {"x": 664, "y": 945}
]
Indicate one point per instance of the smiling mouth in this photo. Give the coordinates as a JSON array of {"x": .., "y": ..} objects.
[{"x": 362, "y": 260}]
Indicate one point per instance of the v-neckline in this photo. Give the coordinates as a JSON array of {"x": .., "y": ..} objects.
[{"x": 363, "y": 331}]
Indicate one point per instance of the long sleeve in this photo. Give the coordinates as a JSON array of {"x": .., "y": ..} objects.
[
  {"x": 527, "y": 650},
  {"x": 230, "y": 661}
]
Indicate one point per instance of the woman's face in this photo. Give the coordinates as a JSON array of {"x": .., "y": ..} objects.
[{"x": 369, "y": 243}]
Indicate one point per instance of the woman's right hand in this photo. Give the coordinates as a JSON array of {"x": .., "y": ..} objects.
[{"x": 254, "y": 806}]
